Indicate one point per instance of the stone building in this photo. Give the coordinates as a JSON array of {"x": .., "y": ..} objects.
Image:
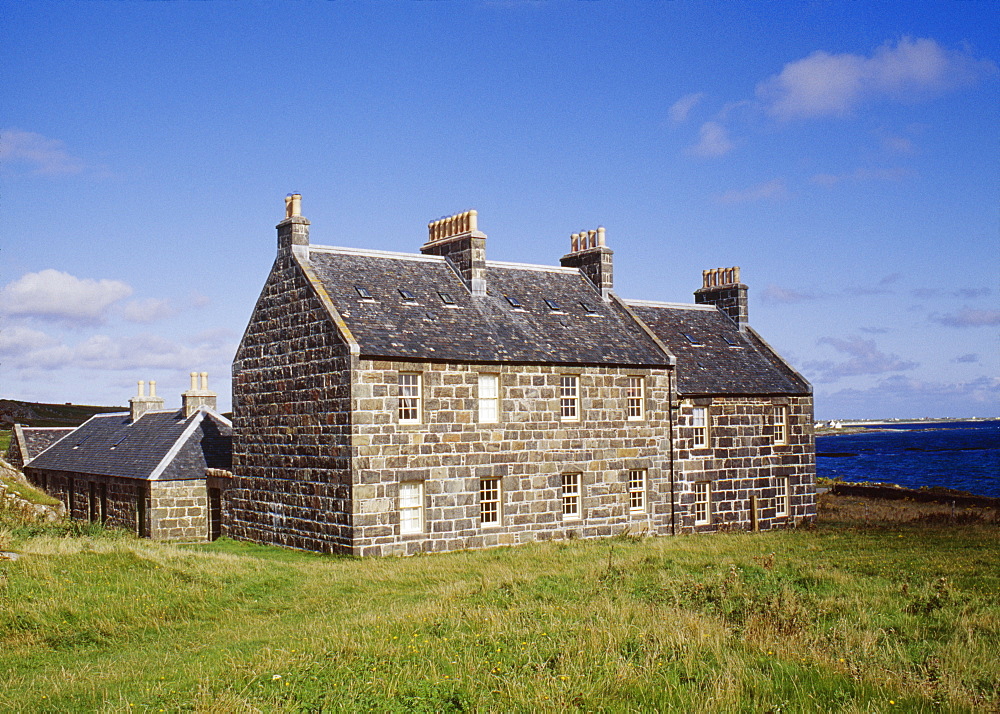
[
  {"x": 160, "y": 473},
  {"x": 27, "y": 442},
  {"x": 395, "y": 403}
]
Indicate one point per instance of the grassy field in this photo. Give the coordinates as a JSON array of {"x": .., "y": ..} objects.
[{"x": 881, "y": 607}]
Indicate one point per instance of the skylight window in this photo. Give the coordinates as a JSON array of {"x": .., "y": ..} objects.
[
  {"x": 407, "y": 295},
  {"x": 363, "y": 292},
  {"x": 588, "y": 308},
  {"x": 514, "y": 302},
  {"x": 446, "y": 298},
  {"x": 553, "y": 305},
  {"x": 730, "y": 341},
  {"x": 692, "y": 339}
]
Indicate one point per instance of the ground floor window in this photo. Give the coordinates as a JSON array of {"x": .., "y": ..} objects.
[
  {"x": 570, "y": 496},
  {"x": 489, "y": 501},
  {"x": 702, "y": 503},
  {"x": 782, "y": 497},
  {"x": 411, "y": 507},
  {"x": 637, "y": 489}
]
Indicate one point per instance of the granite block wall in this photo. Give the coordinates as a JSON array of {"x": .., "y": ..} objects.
[
  {"x": 119, "y": 502},
  {"x": 743, "y": 461},
  {"x": 528, "y": 450},
  {"x": 291, "y": 421},
  {"x": 178, "y": 510}
]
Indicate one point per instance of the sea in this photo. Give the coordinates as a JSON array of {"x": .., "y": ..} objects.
[{"x": 963, "y": 455}]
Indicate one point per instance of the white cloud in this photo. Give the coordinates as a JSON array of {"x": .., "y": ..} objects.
[
  {"x": 680, "y": 109},
  {"x": 865, "y": 358},
  {"x": 22, "y": 340},
  {"x": 858, "y": 175},
  {"x": 148, "y": 310},
  {"x": 44, "y": 156},
  {"x": 55, "y": 295},
  {"x": 969, "y": 317},
  {"x": 772, "y": 190},
  {"x": 775, "y": 295},
  {"x": 713, "y": 140},
  {"x": 825, "y": 84},
  {"x": 901, "y": 397}
]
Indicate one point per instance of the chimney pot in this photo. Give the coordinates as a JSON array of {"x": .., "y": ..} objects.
[
  {"x": 204, "y": 381},
  {"x": 152, "y": 388},
  {"x": 142, "y": 388}
]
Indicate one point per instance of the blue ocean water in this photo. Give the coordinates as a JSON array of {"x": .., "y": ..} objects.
[{"x": 964, "y": 455}]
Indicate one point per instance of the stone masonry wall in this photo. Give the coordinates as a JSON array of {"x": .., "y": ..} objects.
[
  {"x": 291, "y": 422},
  {"x": 743, "y": 461},
  {"x": 178, "y": 510},
  {"x": 121, "y": 497},
  {"x": 528, "y": 450}
]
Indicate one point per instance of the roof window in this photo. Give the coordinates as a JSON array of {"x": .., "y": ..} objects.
[
  {"x": 731, "y": 341},
  {"x": 588, "y": 308},
  {"x": 407, "y": 295},
  {"x": 553, "y": 305},
  {"x": 363, "y": 292},
  {"x": 514, "y": 302},
  {"x": 446, "y": 298},
  {"x": 692, "y": 339}
]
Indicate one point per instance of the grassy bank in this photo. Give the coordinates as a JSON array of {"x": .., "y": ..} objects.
[{"x": 854, "y": 615}]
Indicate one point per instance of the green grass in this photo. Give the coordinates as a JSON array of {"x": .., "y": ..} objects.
[
  {"x": 27, "y": 492},
  {"x": 900, "y": 617},
  {"x": 4, "y": 441}
]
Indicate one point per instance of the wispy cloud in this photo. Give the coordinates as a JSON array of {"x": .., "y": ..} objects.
[
  {"x": 713, "y": 140},
  {"x": 970, "y": 358},
  {"x": 770, "y": 191},
  {"x": 775, "y": 295},
  {"x": 968, "y": 317},
  {"x": 859, "y": 175},
  {"x": 875, "y": 330},
  {"x": 825, "y": 84},
  {"x": 148, "y": 310},
  {"x": 679, "y": 111},
  {"x": 41, "y": 155},
  {"x": 55, "y": 295},
  {"x": 903, "y": 396},
  {"x": 865, "y": 359},
  {"x": 972, "y": 293}
]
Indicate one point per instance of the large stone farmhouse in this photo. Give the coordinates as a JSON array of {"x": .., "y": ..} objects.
[
  {"x": 158, "y": 472},
  {"x": 395, "y": 403}
]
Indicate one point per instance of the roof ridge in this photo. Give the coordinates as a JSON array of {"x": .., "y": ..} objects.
[
  {"x": 675, "y": 305},
  {"x": 395, "y": 255},
  {"x": 532, "y": 266}
]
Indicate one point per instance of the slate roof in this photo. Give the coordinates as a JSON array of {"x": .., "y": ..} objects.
[
  {"x": 478, "y": 329},
  {"x": 160, "y": 445},
  {"x": 38, "y": 438},
  {"x": 724, "y": 359}
]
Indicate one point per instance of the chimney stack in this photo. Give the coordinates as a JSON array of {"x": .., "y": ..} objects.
[
  {"x": 140, "y": 404},
  {"x": 293, "y": 232},
  {"x": 198, "y": 395},
  {"x": 722, "y": 287},
  {"x": 592, "y": 257},
  {"x": 459, "y": 239}
]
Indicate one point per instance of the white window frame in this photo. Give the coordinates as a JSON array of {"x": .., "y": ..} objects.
[
  {"x": 572, "y": 501},
  {"x": 635, "y": 395},
  {"x": 780, "y": 425},
  {"x": 489, "y": 502},
  {"x": 637, "y": 490},
  {"x": 783, "y": 497},
  {"x": 700, "y": 431},
  {"x": 489, "y": 398},
  {"x": 569, "y": 397},
  {"x": 702, "y": 507},
  {"x": 411, "y": 507},
  {"x": 410, "y": 389}
]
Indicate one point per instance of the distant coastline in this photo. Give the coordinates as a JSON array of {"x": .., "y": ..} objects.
[{"x": 854, "y": 426}]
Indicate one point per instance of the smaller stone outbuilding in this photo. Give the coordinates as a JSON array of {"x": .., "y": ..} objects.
[
  {"x": 160, "y": 473},
  {"x": 27, "y": 442}
]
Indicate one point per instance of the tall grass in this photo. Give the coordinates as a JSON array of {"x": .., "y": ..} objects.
[{"x": 841, "y": 618}]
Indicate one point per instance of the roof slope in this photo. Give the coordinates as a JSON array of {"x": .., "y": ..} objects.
[
  {"x": 39, "y": 438},
  {"x": 477, "y": 329},
  {"x": 722, "y": 359},
  {"x": 112, "y": 445}
]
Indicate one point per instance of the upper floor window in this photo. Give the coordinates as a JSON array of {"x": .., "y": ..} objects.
[
  {"x": 702, "y": 503},
  {"x": 699, "y": 422},
  {"x": 409, "y": 397},
  {"x": 489, "y": 398},
  {"x": 634, "y": 396},
  {"x": 411, "y": 507},
  {"x": 489, "y": 501},
  {"x": 570, "y": 496},
  {"x": 781, "y": 425},
  {"x": 637, "y": 489},
  {"x": 569, "y": 397}
]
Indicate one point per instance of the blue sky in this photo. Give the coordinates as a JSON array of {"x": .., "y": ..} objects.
[{"x": 845, "y": 154}]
